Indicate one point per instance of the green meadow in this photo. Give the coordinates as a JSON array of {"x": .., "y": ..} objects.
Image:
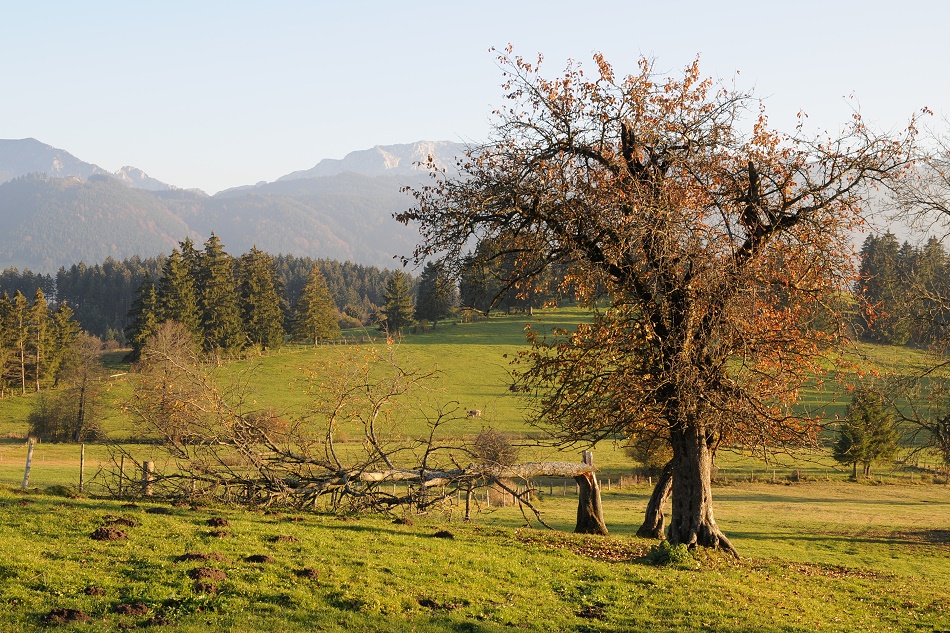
[{"x": 819, "y": 552}]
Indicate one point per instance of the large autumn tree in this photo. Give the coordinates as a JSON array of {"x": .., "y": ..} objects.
[{"x": 714, "y": 238}]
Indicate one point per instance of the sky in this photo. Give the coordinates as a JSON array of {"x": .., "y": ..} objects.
[{"x": 213, "y": 95}]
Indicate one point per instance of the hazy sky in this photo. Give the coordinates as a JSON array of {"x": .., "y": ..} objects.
[{"x": 218, "y": 94}]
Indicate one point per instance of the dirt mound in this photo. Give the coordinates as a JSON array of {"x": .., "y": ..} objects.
[
  {"x": 158, "y": 510},
  {"x": 108, "y": 533},
  {"x": 94, "y": 590},
  {"x": 130, "y": 506},
  {"x": 443, "y": 534},
  {"x": 201, "y": 556},
  {"x": 111, "y": 519},
  {"x": 592, "y": 612},
  {"x": 65, "y": 616},
  {"x": 308, "y": 573},
  {"x": 218, "y": 522},
  {"x": 259, "y": 558},
  {"x": 131, "y": 608},
  {"x": 429, "y": 603},
  {"x": 284, "y": 538},
  {"x": 207, "y": 573},
  {"x": 205, "y": 587},
  {"x": 402, "y": 521},
  {"x": 219, "y": 533}
]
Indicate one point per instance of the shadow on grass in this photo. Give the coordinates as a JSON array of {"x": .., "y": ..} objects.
[{"x": 904, "y": 537}]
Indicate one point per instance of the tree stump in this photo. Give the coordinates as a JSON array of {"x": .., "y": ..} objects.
[{"x": 590, "y": 511}]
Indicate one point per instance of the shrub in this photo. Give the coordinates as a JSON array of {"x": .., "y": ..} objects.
[
  {"x": 664, "y": 554},
  {"x": 490, "y": 446}
]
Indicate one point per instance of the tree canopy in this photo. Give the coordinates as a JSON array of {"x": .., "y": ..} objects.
[{"x": 714, "y": 239}]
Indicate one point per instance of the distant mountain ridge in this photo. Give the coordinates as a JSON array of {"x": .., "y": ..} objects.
[
  {"x": 402, "y": 159},
  {"x": 20, "y": 157},
  {"x": 58, "y": 210}
]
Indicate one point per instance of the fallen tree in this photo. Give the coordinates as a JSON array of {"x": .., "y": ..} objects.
[{"x": 219, "y": 445}]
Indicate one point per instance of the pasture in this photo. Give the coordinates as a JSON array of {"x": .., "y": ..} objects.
[{"x": 818, "y": 552}]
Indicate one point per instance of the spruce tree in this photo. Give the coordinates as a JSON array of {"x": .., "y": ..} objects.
[
  {"x": 868, "y": 432},
  {"x": 66, "y": 331},
  {"x": 218, "y": 299},
  {"x": 177, "y": 296},
  {"x": 20, "y": 327},
  {"x": 398, "y": 309},
  {"x": 143, "y": 317},
  {"x": 260, "y": 300},
  {"x": 40, "y": 337},
  {"x": 436, "y": 295},
  {"x": 315, "y": 313},
  {"x": 7, "y": 341}
]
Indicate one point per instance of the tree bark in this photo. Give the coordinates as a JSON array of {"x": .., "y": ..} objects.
[
  {"x": 654, "y": 522},
  {"x": 693, "y": 521},
  {"x": 590, "y": 510}
]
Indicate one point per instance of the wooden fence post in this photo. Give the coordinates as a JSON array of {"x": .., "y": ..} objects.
[
  {"x": 82, "y": 464},
  {"x": 148, "y": 476},
  {"x": 29, "y": 462}
]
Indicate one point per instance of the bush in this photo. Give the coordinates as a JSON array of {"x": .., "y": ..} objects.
[
  {"x": 664, "y": 555},
  {"x": 491, "y": 447},
  {"x": 56, "y": 418}
]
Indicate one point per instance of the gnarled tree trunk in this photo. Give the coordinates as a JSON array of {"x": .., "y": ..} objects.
[
  {"x": 693, "y": 522},
  {"x": 654, "y": 522}
]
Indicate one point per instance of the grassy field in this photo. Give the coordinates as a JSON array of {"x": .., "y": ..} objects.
[
  {"x": 817, "y": 556},
  {"x": 818, "y": 552}
]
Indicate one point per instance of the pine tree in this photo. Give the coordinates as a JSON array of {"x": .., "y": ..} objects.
[
  {"x": 143, "y": 317},
  {"x": 868, "y": 432},
  {"x": 20, "y": 323},
  {"x": 7, "y": 341},
  {"x": 40, "y": 337},
  {"x": 260, "y": 301},
  {"x": 177, "y": 296},
  {"x": 398, "y": 309},
  {"x": 436, "y": 295},
  {"x": 881, "y": 288},
  {"x": 218, "y": 299},
  {"x": 315, "y": 313},
  {"x": 66, "y": 331}
]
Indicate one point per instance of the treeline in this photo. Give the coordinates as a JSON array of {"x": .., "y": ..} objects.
[
  {"x": 230, "y": 303},
  {"x": 903, "y": 292},
  {"x": 36, "y": 341},
  {"x": 102, "y": 295}
]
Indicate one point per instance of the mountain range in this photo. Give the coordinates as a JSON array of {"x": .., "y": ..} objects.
[{"x": 58, "y": 210}]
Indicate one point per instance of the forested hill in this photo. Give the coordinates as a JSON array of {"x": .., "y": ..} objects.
[{"x": 341, "y": 211}]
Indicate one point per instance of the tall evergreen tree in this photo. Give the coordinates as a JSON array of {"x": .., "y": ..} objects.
[
  {"x": 315, "y": 313},
  {"x": 260, "y": 300},
  {"x": 143, "y": 316},
  {"x": 881, "y": 288},
  {"x": 398, "y": 309},
  {"x": 868, "y": 433},
  {"x": 177, "y": 296},
  {"x": 66, "y": 332},
  {"x": 20, "y": 323},
  {"x": 41, "y": 337},
  {"x": 7, "y": 342},
  {"x": 436, "y": 295},
  {"x": 221, "y": 327}
]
